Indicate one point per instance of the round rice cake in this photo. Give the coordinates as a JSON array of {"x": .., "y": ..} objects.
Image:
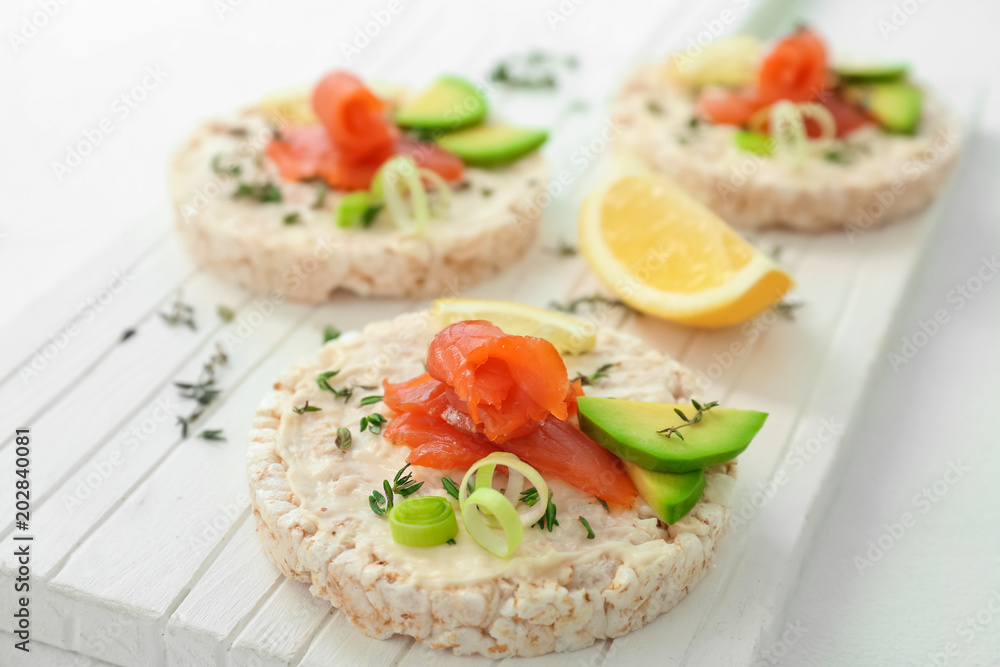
[
  {"x": 559, "y": 592},
  {"x": 293, "y": 248},
  {"x": 862, "y": 182}
]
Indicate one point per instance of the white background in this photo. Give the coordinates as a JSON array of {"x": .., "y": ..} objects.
[{"x": 911, "y": 606}]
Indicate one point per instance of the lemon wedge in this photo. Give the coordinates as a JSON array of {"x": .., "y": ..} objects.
[
  {"x": 664, "y": 253},
  {"x": 569, "y": 334},
  {"x": 729, "y": 61},
  {"x": 292, "y": 106}
]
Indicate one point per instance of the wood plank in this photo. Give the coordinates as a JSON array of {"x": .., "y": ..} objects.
[
  {"x": 170, "y": 528},
  {"x": 127, "y": 300},
  {"x": 31, "y": 329},
  {"x": 43, "y": 655},
  {"x": 227, "y": 593},
  {"x": 85, "y": 414},
  {"x": 338, "y": 643},
  {"x": 281, "y": 632},
  {"x": 780, "y": 530}
]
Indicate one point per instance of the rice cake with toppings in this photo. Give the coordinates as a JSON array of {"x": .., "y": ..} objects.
[
  {"x": 493, "y": 219},
  {"x": 559, "y": 592},
  {"x": 881, "y": 177}
]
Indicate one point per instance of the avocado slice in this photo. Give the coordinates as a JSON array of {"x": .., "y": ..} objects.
[
  {"x": 628, "y": 429},
  {"x": 450, "y": 103},
  {"x": 492, "y": 145},
  {"x": 896, "y": 106},
  {"x": 671, "y": 495},
  {"x": 871, "y": 72}
]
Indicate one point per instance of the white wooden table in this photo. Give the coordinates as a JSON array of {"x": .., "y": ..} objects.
[{"x": 144, "y": 550}]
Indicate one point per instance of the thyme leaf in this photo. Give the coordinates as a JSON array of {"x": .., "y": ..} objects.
[
  {"x": 306, "y": 408},
  {"x": 590, "y": 531},
  {"x": 688, "y": 421}
]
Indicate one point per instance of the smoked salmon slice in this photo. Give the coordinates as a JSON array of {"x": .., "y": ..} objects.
[
  {"x": 486, "y": 391},
  {"x": 506, "y": 382},
  {"x": 354, "y": 138},
  {"x": 560, "y": 449}
]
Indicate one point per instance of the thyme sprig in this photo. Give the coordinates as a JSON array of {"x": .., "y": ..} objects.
[
  {"x": 787, "y": 309},
  {"x": 536, "y": 70},
  {"x": 590, "y": 301},
  {"x": 204, "y": 391},
  {"x": 263, "y": 192},
  {"x": 306, "y": 408},
  {"x": 402, "y": 485},
  {"x": 373, "y": 423},
  {"x": 450, "y": 487},
  {"x": 180, "y": 313},
  {"x": 601, "y": 372},
  {"x": 548, "y": 520},
  {"x": 701, "y": 410}
]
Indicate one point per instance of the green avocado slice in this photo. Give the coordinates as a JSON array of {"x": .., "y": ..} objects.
[
  {"x": 450, "y": 103},
  {"x": 871, "y": 72},
  {"x": 492, "y": 145},
  {"x": 628, "y": 429},
  {"x": 670, "y": 495},
  {"x": 896, "y": 106}
]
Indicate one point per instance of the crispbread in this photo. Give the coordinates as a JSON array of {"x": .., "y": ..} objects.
[{"x": 560, "y": 592}]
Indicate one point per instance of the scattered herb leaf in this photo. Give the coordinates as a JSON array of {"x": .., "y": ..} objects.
[
  {"x": 787, "y": 309},
  {"x": 203, "y": 392},
  {"x": 548, "y": 520},
  {"x": 231, "y": 170},
  {"x": 701, "y": 410},
  {"x": 330, "y": 333},
  {"x": 529, "y": 496},
  {"x": 321, "y": 191},
  {"x": 262, "y": 192},
  {"x": 601, "y": 372},
  {"x": 343, "y": 439},
  {"x": 575, "y": 305},
  {"x": 452, "y": 541},
  {"x": 486, "y": 192},
  {"x": 590, "y": 531},
  {"x": 226, "y": 313},
  {"x": 370, "y": 400},
  {"x": 291, "y": 218},
  {"x": 535, "y": 71},
  {"x": 403, "y": 485},
  {"x": 373, "y": 423},
  {"x": 450, "y": 487},
  {"x": 565, "y": 249},
  {"x": 654, "y": 107},
  {"x": 322, "y": 380},
  {"x": 604, "y": 504},
  {"x": 306, "y": 408},
  {"x": 214, "y": 434},
  {"x": 369, "y": 214},
  {"x": 180, "y": 313},
  {"x": 128, "y": 333}
]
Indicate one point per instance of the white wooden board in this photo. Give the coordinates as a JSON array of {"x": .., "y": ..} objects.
[{"x": 145, "y": 551}]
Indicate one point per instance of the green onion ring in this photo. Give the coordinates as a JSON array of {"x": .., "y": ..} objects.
[
  {"x": 484, "y": 468},
  {"x": 501, "y": 543},
  {"x": 423, "y": 521}
]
